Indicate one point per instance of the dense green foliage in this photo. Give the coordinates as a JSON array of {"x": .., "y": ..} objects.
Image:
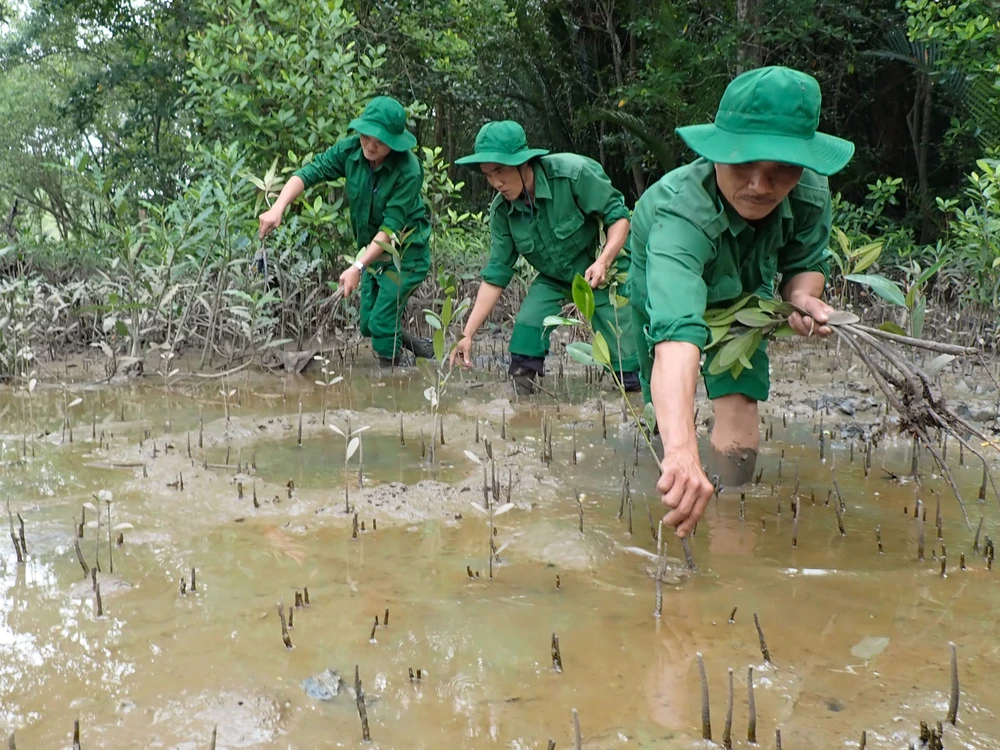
[{"x": 152, "y": 124}]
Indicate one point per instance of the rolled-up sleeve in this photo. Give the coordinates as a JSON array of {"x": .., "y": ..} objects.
[
  {"x": 329, "y": 165},
  {"x": 405, "y": 200},
  {"x": 808, "y": 250},
  {"x": 499, "y": 269},
  {"x": 595, "y": 195},
  {"x": 676, "y": 255}
]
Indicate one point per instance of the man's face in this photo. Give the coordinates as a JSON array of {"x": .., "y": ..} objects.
[
  {"x": 374, "y": 149},
  {"x": 756, "y": 188},
  {"x": 505, "y": 180}
]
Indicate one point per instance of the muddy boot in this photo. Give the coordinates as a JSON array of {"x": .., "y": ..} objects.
[
  {"x": 400, "y": 360},
  {"x": 525, "y": 371},
  {"x": 423, "y": 348}
]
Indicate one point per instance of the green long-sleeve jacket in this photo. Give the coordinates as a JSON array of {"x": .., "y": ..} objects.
[
  {"x": 690, "y": 250},
  {"x": 558, "y": 236},
  {"x": 388, "y": 197}
]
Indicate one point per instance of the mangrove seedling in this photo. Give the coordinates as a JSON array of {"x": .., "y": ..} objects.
[
  {"x": 437, "y": 371},
  {"x": 328, "y": 381},
  {"x": 351, "y": 444}
]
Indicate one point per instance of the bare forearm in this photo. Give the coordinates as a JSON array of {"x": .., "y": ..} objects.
[
  {"x": 292, "y": 190},
  {"x": 808, "y": 284},
  {"x": 486, "y": 300},
  {"x": 672, "y": 386},
  {"x": 372, "y": 252},
  {"x": 617, "y": 234}
]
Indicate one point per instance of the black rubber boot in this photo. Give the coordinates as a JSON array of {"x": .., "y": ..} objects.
[
  {"x": 525, "y": 371},
  {"x": 630, "y": 380},
  {"x": 423, "y": 348}
]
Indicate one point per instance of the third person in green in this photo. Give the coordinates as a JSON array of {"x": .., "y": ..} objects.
[
  {"x": 549, "y": 209},
  {"x": 756, "y": 204},
  {"x": 384, "y": 183}
]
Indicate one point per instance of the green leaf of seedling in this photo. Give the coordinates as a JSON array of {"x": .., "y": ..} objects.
[
  {"x": 731, "y": 353},
  {"x": 446, "y": 312},
  {"x": 649, "y": 417},
  {"x": 867, "y": 255},
  {"x": 619, "y": 301},
  {"x": 883, "y": 287},
  {"x": 746, "y": 363},
  {"x": 432, "y": 320},
  {"x": 926, "y": 275},
  {"x": 601, "y": 351},
  {"x": 753, "y": 318},
  {"x": 583, "y": 297},
  {"x": 890, "y": 327},
  {"x": 554, "y": 321},
  {"x": 736, "y": 370},
  {"x": 737, "y": 305},
  {"x": 936, "y": 366},
  {"x": 439, "y": 345},
  {"x": 716, "y": 334},
  {"x": 783, "y": 331},
  {"x": 583, "y": 353},
  {"x": 917, "y": 317}
]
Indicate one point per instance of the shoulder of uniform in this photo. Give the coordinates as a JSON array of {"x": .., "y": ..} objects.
[
  {"x": 688, "y": 192},
  {"x": 568, "y": 165},
  {"x": 813, "y": 189},
  {"x": 495, "y": 205}
]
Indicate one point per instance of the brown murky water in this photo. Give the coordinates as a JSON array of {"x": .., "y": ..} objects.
[{"x": 859, "y": 640}]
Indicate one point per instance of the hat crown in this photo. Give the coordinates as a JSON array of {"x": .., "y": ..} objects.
[
  {"x": 386, "y": 112},
  {"x": 773, "y": 100},
  {"x": 505, "y": 137}
]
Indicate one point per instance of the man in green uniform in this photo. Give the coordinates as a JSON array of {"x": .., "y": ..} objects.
[
  {"x": 755, "y": 205},
  {"x": 549, "y": 209},
  {"x": 384, "y": 180}
]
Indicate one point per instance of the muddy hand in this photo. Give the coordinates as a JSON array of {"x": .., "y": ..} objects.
[
  {"x": 809, "y": 320},
  {"x": 463, "y": 348},
  {"x": 269, "y": 220},
  {"x": 685, "y": 489}
]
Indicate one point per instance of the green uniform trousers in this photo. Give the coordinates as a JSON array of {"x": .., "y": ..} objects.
[
  {"x": 545, "y": 297},
  {"x": 384, "y": 293},
  {"x": 755, "y": 383}
]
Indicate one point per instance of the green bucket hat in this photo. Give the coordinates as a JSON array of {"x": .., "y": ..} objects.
[
  {"x": 770, "y": 114},
  {"x": 502, "y": 142},
  {"x": 384, "y": 118}
]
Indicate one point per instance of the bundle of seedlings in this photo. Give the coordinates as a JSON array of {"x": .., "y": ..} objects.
[{"x": 736, "y": 332}]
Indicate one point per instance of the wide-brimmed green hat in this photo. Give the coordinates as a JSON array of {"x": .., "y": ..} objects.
[
  {"x": 384, "y": 118},
  {"x": 502, "y": 142},
  {"x": 770, "y": 114}
]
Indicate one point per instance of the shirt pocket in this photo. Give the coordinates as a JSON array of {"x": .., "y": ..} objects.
[
  {"x": 722, "y": 278},
  {"x": 568, "y": 226},
  {"x": 522, "y": 232}
]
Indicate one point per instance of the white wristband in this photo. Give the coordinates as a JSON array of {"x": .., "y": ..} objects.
[{"x": 359, "y": 265}]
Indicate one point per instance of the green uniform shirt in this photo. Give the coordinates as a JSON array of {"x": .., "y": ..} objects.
[
  {"x": 388, "y": 197},
  {"x": 558, "y": 235},
  {"x": 690, "y": 250}
]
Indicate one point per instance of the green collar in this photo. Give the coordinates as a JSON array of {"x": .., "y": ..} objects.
[{"x": 543, "y": 190}]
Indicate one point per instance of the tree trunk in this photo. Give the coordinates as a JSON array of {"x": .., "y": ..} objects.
[{"x": 749, "y": 52}]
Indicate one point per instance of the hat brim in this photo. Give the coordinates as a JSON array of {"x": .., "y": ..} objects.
[
  {"x": 498, "y": 157},
  {"x": 822, "y": 153},
  {"x": 403, "y": 142}
]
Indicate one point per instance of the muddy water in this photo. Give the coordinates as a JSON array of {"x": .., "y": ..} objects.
[{"x": 858, "y": 639}]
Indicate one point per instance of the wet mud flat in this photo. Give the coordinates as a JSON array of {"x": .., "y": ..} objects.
[{"x": 222, "y": 515}]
